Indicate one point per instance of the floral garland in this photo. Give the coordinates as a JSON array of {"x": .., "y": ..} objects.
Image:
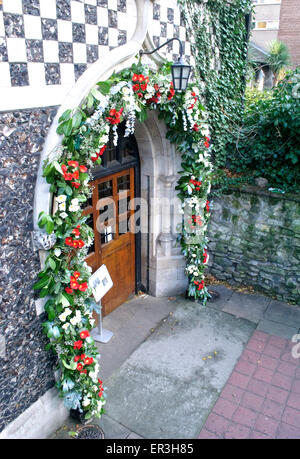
[{"x": 64, "y": 279}]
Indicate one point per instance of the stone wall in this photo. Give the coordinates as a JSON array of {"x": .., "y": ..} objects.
[
  {"x": 255, "y": 240},
  {"x": 26, "y": 369}
]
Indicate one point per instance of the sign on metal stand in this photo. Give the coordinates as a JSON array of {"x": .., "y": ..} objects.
[{"x": 101, "y": 283}]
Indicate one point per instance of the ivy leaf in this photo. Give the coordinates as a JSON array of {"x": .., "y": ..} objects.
[
  {"x": 52, "y": 264},
  {"x": 65, "y": 116},
  {"x": 104, "y": 87},
  {"x": 49, "y": 225},
  {"x": 77, "y": 118},
  {"x": 64, "y": 300},
  {"x": 41, "y": 283},
  {"x": 71, "y": 366}
]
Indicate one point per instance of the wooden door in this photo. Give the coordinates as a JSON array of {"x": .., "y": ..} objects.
[{"x": 111, "y": 217}]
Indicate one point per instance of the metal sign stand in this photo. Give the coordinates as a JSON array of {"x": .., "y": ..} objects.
[{"x": 100, "y": 334}]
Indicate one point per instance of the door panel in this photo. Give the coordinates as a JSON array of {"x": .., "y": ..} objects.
[{"x": 114, "y": 244}]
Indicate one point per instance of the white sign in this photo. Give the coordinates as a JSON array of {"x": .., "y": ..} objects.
[{"x": 100, "y": 282}]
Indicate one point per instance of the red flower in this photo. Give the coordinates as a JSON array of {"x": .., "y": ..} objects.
[
  {"x": 102, "y": 150},
  {"x": 75, "y": 184},
  {"x": 135, "y": 77},
  {"x": 84, "y": 334},
  {"x": 140, "y": 94},
  {"x": 79, "y": 366},
  {"x": 200, "y": 284},
  {"x": 69, "y": 241},
  {"x": 73, "y": 163},
  {"x": 82, "y": 168},
  {"x": 83, "y": 287},
  {"x": 74, "y": 285},
  {"x": 115, "y": 116},
  {"x": 136, "y": 87},
  {"x": 64, "y": 168},
  {"x": 88, "y": 361},
  {"x": 144, "y": 87},
  {"x": 83, "y": 371},
  {"x": 68, "y": 176},
  {"x": 68, "y": 290},
  {"x": 171, "y": 91},
  {"x": 76, "y": 175},
  {"x": 78, "y": 344},
  {"x": 80, "y": 244},
  {"x": 196, "y": 127},
  {"x": 76, "y": 274},
  {"x": 205, "y": 256},
  {"x": 75, "y": 244},
  {"x": 207, "y": 206},
  {"x": 82, "y": 356},
  {"x": 76, "y": 358},
  {"x": 141, "y": 78},
  {"x": 76, "y": 232},
  {"x": 206, "y": 143}
]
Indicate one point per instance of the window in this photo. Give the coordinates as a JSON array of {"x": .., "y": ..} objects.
[
  {"x": 265, "y": 25},
  {"x": 266, "y": 2}
]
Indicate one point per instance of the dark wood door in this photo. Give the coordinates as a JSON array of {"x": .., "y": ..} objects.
[{"x": 111, "y": 217}]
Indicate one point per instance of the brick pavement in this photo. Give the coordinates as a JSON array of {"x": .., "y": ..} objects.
[{"x": 261, "y": 399}]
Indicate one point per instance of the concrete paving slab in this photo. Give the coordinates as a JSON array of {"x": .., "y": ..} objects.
[
  {"x": 168, "y": 386},
  {"x": 251, "y": 307},
  {"x": 274, "y": 328},
  {"x": 225, "y": 295},
  {"x": 283, "y": 313},
  {"x": 131, "y": 323}
]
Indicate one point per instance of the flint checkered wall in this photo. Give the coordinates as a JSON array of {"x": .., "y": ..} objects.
[{"x": 52, "y": 42}]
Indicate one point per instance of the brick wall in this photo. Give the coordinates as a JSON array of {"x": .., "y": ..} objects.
[{"x": 289, "y": 29}]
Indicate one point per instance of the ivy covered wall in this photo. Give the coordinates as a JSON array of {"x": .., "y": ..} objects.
[{"x": 219, "y": 30}]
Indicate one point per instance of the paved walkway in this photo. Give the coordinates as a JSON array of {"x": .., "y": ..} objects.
[
  {"x": 177, "y": 370},
  {"x": 261, "y": 399}
]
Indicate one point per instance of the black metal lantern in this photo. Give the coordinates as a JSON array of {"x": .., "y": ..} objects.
[
  {"x": 180, "y": 70},
  {"x": 180, "y": 75}
]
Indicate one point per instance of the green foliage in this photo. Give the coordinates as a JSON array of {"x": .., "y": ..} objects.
[
  {"x": 268, "y": 140},
  {"x": 279, "y": 57},
  {"x": 220, "y": 50}
]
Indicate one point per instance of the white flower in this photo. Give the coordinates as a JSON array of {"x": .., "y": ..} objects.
[
  {"x": 66, "y": 325},
  {"x": 73, "y": 208},
  {"x": 77, "y": 319},
  {"x": 62, "y": 206},
  {"x": 74, "y": 202},
  {"x": 99, "y": 403},
  {"x": 92, "y": 321},
  {"x": 61, "y": 198},
  {"x": 103, "y": 140},
  {"x": 62, "y": 317},
  {"x": 86, "y": 401},
  {"x": 125, "y": 90},
  {"x": 57, "y": 252},
  {"x": 63, "y": 215}
]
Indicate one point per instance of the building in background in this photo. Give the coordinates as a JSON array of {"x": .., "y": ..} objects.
[
  {"x": 289, "y": 28},
  {"x": 277, "y": 20}
]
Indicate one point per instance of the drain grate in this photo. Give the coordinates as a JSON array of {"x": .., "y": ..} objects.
[{"x": 90, "y": 432}]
